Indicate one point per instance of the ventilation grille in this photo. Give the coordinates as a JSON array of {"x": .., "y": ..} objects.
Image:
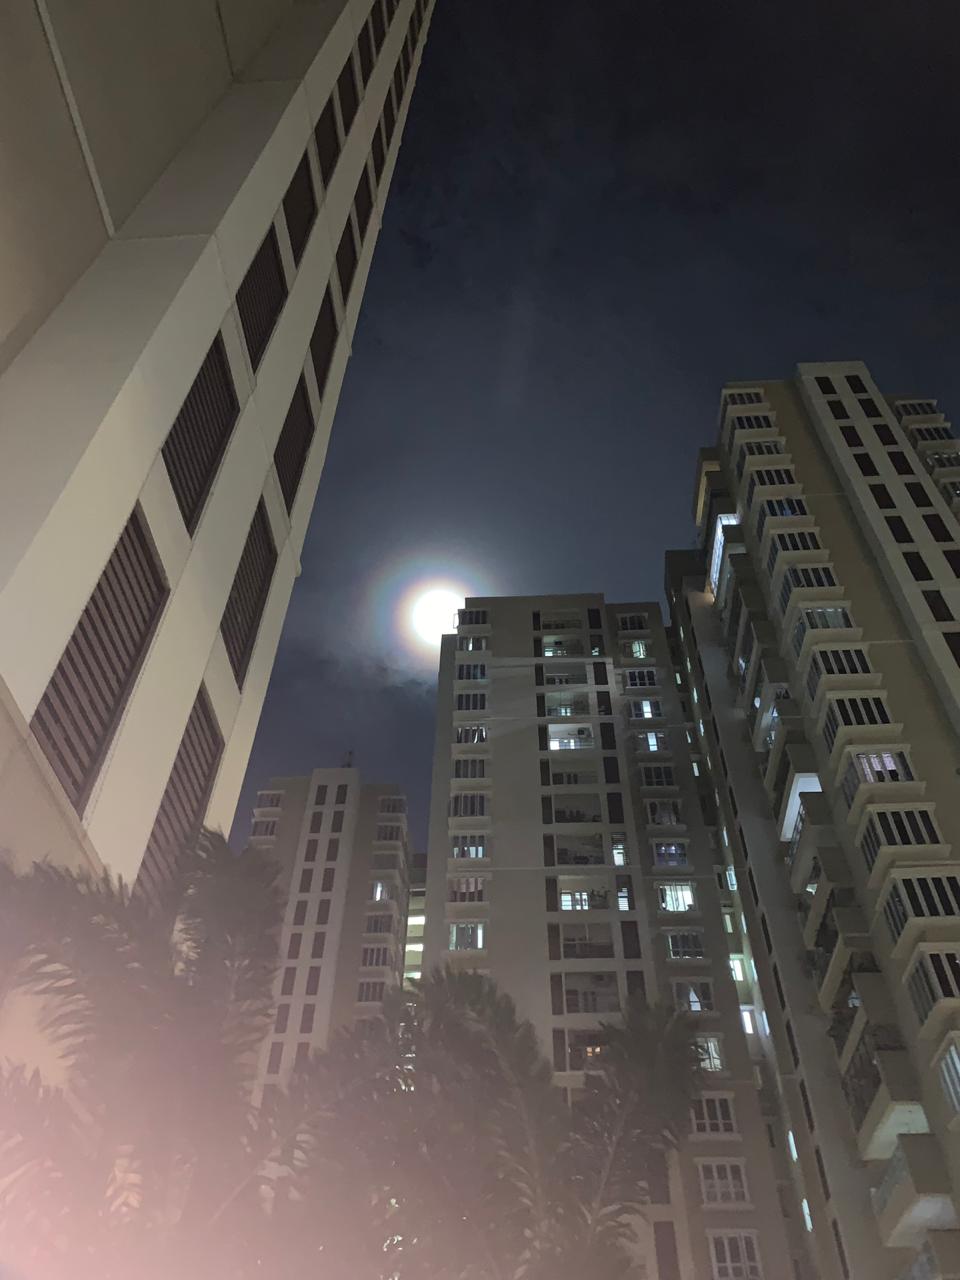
[
  {"x": 248, "y": 595},
  {"x": 261, "y": 296},
  {"x": 293, "y": 446}
]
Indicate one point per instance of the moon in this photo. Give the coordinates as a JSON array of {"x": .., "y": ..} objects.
[{"x": 433, "y": 612}]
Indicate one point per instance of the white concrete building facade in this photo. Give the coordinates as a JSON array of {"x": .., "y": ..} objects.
[
  {"x": 820, "y": 631},
  {"x": 573, "y": 856},
  {"x": 191, "y": 200}
]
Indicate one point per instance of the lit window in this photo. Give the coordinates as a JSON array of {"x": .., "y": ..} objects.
[
  {"x": 792, "y": 1145},
  {"x": 467, "y": 937},
  {"x": 676, "y": 896},
  {"x": 731, "y": 879},
  {"x": 764, "y": 1022},
  {"x": 696, "y": 769},
  {"x": 728, "y": 922},
  {"x": 746, "y": 1017},
  {"x": 618, "y": 849},
  {"x": 711, "y": 1057},
  {"x": 736, "y": 968},
  {"x": 805, "y": 1210}
]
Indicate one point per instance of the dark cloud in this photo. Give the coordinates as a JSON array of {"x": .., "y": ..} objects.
[{"x": 600, "y": 213}]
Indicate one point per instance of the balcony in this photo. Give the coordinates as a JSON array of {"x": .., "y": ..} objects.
[
  {"x": 565, "y": 706},
  {"x": 586, "y": 941},
  {"x": 913, "y": 1197},
  {"x": 587, "y": 852},
  {"x": 812, "y": 831},
  {"x": 882, "y": 1092},
  {"x": 570, "y": 737},
  {"x": 562, "y": 647},
  {"x": 578, "y": 809},
  {"x": 938, "y": 1259},
  {"x": 554, "y": 676}
]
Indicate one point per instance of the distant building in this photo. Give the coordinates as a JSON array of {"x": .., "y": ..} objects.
[
  {"x": 416, "y": 918},
  {"x": 819, "y": 632},
  {"x": 574, "y": 856},
  {"x": 191, "y": 199},
  {"x": 342, "y": 848}
]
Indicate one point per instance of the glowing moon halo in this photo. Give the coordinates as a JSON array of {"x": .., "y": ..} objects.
[{"x": 432, "y": 613}]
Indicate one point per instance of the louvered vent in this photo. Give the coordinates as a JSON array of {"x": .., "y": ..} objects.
[{"x": 248, "y": 595}]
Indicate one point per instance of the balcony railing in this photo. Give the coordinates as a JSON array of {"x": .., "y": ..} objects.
[
  {"x": 586, "y": 949},
  {"x": 577, "y": 815},
  {"x": 580, "y": 857}
]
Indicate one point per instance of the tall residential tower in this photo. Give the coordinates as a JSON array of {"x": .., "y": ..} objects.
[
  {"x": 342, "y": 850},
  {"x": 820, "y": 631},
  {"x": 573, "y": 856},
  {"x": 192, "y": 196}
]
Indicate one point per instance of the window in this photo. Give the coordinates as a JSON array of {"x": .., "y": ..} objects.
[
  {"x": 306, "y": 880},
  {"x": 321, "y": 796},
  {"x": 712, "y": 1115},
  {"x": 652, "y": 741},
  {"x": 471, "y": 617},
  {"x": 687, "y": 945},
  {"x": 938, "y": 528},
  {"x": 747, "y": 1019},
  {"x": 898, "y": 527},
  {"x": 472, "y": 846},
  {"x": 632, "y": 622},
  {"x": 695, "y": 995},
  {"x": 389, "y": 831},
  {"x": 646, "y": 708},
  {"x": 900, "y": 463},
  {"x": 723, "y": 1182},
  {"x": 676, "y": 895},
  {"x": 287, "y": 983},
  {"x": 198, "y": 438},
  {"x": 365, "y": 49},
  {"x": 465, "y": 889},
  {"x": 472, "y": 734},
  {"x": 313, "y": 977},
  {"x": 81, "y": 706},
  {"x": 392, "y": 804},
  {"x": 374, "y": 957},
  {"x": 471, "y": 671},
  {"x": 293, "y": 946},
  {"x": 663, "y": 813},
  {"x": 641, "y": 677},
  {"x": 920, "y": 897},
  {"x": 471, "y": 702},
  {"x": 363, "y": 203},
  {"x": 379, "y": 891},
  {"x": 710, "y": 1052},
  {"x": 293, "y": 446},
  {"x": 734, "y": 1255},
  {"x": 248, "y": 594},
  {"x": 348, "y": 95},
  {"x": 261, "y": 296},
  {"x": 792, "y": 1146},
  {"x": 657, "y": 775},
  {"x": 378, "y": 924},
  {"x": 333, "y": 849},
  {"x": 935, "y": 977},
  {"x": 468, "y": 804},
  {"x": 949, "y": 1070},
  {"x": 369, "y": 992},
  {"x": 841, "y": 1252},
  {"x": 300, "y": 208},
  {"x": 736, "y": 968},
  {"x": 468, "y": 936},
  {"x": 469, "y": 767},
  {"x": 337, "y": 821},
  {"x": 328, "y": 141},
  {"x": 874, "y": 767},
  {"x": 618, "y": 849},
  {"x": 346, "y": 260},
  {"x": 939, "y": 609},
  {"x": 917, "y": 566},
  {"x": 852, "y": 711},
  {"x": 473, "y": 644},
  {"x": 851, "y": 436},
  {"x": 866, "y": 464},
  {"x": 807, "y": 576},
  {"x": 185, "y": 796},
  {"x": 669, "y": 853},
  {"x": 275, "y": 1058}
]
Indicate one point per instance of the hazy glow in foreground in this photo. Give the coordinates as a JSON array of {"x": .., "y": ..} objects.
[{"x": 433, "y": 612}]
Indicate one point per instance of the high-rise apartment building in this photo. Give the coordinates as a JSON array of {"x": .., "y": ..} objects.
[
  {"x": 416, "y": 919},
  {"x": 573, "y": 856},
  {"x": 190, "y": 203},
  {"x": 820, "y": 631},
  {"x": 342, "y": 850}
]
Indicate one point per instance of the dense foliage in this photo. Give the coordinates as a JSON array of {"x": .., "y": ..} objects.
[{"x": 429, "y": 1145}]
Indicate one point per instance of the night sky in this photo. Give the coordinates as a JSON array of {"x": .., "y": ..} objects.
[{"x": 603, "y": 210}]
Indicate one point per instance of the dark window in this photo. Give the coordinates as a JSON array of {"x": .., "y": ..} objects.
[
  {"x": 792, "y": 1041},
  {"x": 76, "y": 717},
  {"x": 282, "y": 1019},
  {"x": 316, "y": 823},
  {"x": 636, "y": 986},
  {"x": 856, "y": 385},
  {"x": 901, "y": 464},
  {"x": 301, "y": 1059},
  {"x": 898, "y": 528},
  {"x": 779, "y": 985},
  {"x": 869, "y": 407},
  {"x": 276, "y": 1057},
  {"x": 549, "y": 851},
  {"x": 841, "y": 1252},
  {"x": 346, "y": 260},
  {"x": 630, "y": 935},
  {"x": 821, "y": 1170},
  {"x": 953, "y": 643},
  {"x": 938, "y": 528},
  {"x": 289, "y": 978},
  {"x": 313, "y": 975},
  {"x": 300, "y": 912},
  {"x": 290, "y": 455},
  {"x": 918, "y": 493},
  {"x": 248, "y": 595},
  {"x": 337, "y": 824},
  {"x": 852, "y": 437},
  {"x": 604, "y": 705},
  {"x": 378, "y": 25},
  {"x": 611, "y": 770},
  {"x": 608, "y": 736},
  {"x": 333, "y": 850},
  {"x": 917, "y": 566},
  {"x": 545, "y": 776},
  {"x": 321, "y": 795},
  {"x": 594, "y": 621},
  {"x": 185, "y": 797},
  {"x": 546, "y": 810},
  {"x": 199, "y": 435},
  {"x": 614, "y": 806},
  {"x": 826, "y": 386},
  {"x": 881, "y": 496},
  {"x": 559, "y": 1051},
  {"x": 837, "y": 409},
  {"x": 556, "y": 994},
  {"x": 293, "y": 948},
  {"x": 553, "y": 941},
  {"x": 300, "y": 208},
  {"x": 348, "y": 95},
  {"x": 341, "y": 796},
  {"x": 398, "y": 80},
  {"x": 953, "y": 560},
  {"x": 807, "y": 1109},
  {"x": 551, "y": 899},
  {"x": 365, "y": 49},
  {"x": 328, "y": 142},
  {"x": 939, "y": 608},
  {"x": 765, "y": 929},
  {"x": 665, "y": 1244},
  {"x": 378, "y": 153},
  {"x": 389, "y": 119},
  {"x": 323, "y": 340},
  {"x": 326, "y": 884},
  {"x": 261, "y": 296},
  {"x": 600, "y": 673},
  {"x": 306, "y": 1019},
  {"x": 866, "y": 464},
  {"x": 310, "y": 854},
  {"x": 363, "y": 203},
  {"x": 306, "y": 880}
]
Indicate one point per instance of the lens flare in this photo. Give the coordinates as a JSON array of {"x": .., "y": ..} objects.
[{"x": 433, "y": 613}]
